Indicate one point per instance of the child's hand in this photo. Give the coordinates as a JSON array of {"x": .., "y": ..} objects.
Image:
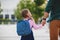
[{"x": 43, "y": 22}]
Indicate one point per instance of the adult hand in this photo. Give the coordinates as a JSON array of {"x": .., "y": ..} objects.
[
  {"x": 43, "y": 22},
  {"x": 46, "y": 14}
]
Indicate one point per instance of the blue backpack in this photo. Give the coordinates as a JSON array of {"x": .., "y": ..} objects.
[{"x": 23, "y": 28}]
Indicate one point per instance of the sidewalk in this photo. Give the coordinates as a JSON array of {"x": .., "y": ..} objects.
[{"x": 8, "y": 32}]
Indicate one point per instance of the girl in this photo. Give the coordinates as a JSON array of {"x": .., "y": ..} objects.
[{"x": 28, "y": 16}]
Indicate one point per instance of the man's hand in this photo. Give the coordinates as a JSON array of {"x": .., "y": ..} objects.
[
  {"x": 46, "y": 14},
  {"x": 43, "y": 22}
]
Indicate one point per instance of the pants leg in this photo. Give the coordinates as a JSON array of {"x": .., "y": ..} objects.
[{"x": 54, "y": 26}]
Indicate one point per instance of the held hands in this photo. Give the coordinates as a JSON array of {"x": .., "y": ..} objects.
[
  {"x": 43, "y": 22},
  {"x": 46, "y": 14}
]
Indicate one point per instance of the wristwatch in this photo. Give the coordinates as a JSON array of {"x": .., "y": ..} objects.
[{"x": 43, "y": 18}]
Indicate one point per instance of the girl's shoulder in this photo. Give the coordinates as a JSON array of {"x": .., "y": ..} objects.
[{"x": 30, "y": 20}]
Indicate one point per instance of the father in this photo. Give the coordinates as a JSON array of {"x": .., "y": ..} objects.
[{"x": 53, "y": 8}]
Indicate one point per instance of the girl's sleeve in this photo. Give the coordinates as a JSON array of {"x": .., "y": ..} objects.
[{"x": 34, "y": 25}]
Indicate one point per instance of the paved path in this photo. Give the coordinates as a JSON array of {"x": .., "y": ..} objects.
[{"x": 8, "y": 32}]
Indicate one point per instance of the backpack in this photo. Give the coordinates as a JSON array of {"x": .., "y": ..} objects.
[{"x": 23, "y": 28}]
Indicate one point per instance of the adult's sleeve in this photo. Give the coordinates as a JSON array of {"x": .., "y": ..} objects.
[{"x": 49, "y": 6}]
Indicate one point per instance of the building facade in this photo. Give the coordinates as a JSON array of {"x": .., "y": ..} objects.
[{"x": 8, "y": 7}]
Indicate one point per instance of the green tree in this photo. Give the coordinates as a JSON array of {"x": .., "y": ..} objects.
[
  {"x": 36, "y": 8},
  {"x": 39, "y": 2}
]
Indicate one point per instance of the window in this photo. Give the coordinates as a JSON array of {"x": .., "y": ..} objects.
[
  {"x": 6, "y": 20},
  {"x": 13, "y": 17},
  {"x": 6, "y": 16},
  {"x": 1, "y": 16}
]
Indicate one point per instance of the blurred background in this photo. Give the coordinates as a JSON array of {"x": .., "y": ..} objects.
[{"x": 10, "y": 13}]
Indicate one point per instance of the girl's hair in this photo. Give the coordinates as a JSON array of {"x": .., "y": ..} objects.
[{"x": 24, "y": 13}]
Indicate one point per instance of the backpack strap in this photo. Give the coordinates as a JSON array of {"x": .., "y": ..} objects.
[{"x": 27, "y": 20}]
